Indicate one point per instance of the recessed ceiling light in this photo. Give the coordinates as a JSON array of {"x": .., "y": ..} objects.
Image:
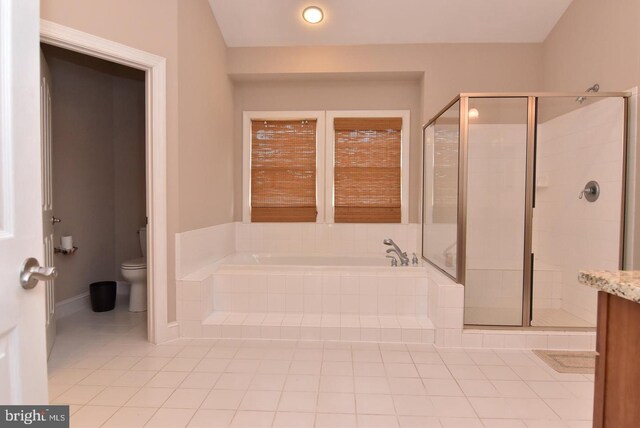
[{"x": 312, "y": 14}]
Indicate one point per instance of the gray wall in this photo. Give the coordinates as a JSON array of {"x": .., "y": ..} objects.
[{"x": 98, "y": 166}]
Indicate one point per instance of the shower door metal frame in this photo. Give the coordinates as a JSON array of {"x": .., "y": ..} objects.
[{"x": 531, "y": 141}]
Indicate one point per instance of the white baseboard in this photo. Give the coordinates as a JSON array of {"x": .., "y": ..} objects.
[{"x": 73, "y": 305}]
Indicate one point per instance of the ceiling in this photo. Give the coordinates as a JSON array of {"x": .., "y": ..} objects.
[{"x": 363, "y": 22}]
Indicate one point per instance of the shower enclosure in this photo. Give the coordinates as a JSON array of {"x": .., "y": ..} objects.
[{"x": 520, "y": 192}]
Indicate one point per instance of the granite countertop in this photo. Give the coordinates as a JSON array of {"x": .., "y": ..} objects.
[{"x": 621, "y": 283}]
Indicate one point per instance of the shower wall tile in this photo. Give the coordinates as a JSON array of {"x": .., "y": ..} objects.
[{"x": 570, "y": 233}]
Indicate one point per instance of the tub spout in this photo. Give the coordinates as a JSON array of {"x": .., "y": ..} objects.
[{"x": 404, "y": 259}]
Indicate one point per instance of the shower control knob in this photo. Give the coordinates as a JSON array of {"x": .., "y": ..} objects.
[{"x": 55, "y": 220}]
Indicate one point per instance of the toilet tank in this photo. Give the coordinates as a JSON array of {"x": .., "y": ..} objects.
[{"x": 142, "y": 233}]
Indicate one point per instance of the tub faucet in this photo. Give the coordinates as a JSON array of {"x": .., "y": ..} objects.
[{"x": 404, "y": 260}]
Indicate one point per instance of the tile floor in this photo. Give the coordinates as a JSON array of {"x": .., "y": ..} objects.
[{"x": 102, "y": 366}]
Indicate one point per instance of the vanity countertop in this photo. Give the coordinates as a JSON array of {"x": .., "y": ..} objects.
[{"x": 621, "y": 283}]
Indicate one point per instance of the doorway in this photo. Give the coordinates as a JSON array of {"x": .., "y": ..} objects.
[
  {"x": 94, "y": 176},
  {"x": 154, "y": 67}
]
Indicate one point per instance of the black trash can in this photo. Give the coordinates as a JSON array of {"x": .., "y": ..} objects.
[{"x": 103, "y": 296}]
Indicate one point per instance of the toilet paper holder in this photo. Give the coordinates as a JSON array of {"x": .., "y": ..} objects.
[{"x": 65, "y": 251}]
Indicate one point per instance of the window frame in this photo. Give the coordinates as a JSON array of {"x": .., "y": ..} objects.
[
  {"x": 325, "y": 149},
  {"x": 249, "y": 116},
  {"x": 405, "y": 145}
]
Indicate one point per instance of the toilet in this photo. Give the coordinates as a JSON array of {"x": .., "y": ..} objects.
[{"x": 134, "y": 271}]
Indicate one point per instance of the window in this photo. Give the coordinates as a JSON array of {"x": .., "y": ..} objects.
[
  {"x": 361, "y": 167},
  {"x": 283, "y": 170},
  {"x": 366, "y": 187},
  {"x": 281, "y": 158}
]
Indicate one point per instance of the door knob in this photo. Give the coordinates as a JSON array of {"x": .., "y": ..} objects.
[{"x": 31, "y": 272}]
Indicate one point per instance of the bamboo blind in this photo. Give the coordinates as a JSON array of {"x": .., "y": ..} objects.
[
  {"x": 445, "y": 179},
  {"x": 367, "y": 170},
  {"x": 283, "y": 171}
]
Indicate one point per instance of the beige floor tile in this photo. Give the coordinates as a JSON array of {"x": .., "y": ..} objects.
[
  {"x": 121, "y": 363},
  {"x": 214, "y": 365},
  {"x": 130, "y": 417},
  {"x": 337, "y": 383},
  {"x": 92, "y": 416},
  {"x": 332, "y": 420},
  {"x": 134, "y": 378},
  {"x": 461, "y": 423},
  {"x": 375, "y": 404},
  {"x": 377, "y": 421},
  {"x": 166, "y": 380},
  {"x": 307, "y": 383},
  {"x": 114, "y": 396},
  {"x": 336, "y": 402},
  {"x": 186, "y": 398},
  {"x": 405, "y": 386},
  {"x": 150, "y": 397},
  {"x": 413, "y": 405},
  {"x": 201, "y": 380},
  {"x": 503, "y": 423},
  {"x": 69, "y": 376},
  {"x": 78, "y": 394},
  {"x": 223, "y": 399},
  {"x": 337, "y": 368},
  {"x": 252, "y": 419},
  {"x": 102, "y": 377},
  {"x": 151, "y": 363},
  {"x": 239, "y": 381},
  {"x": 171, "y": 418},
  {"x": 55, "y": 389},
  {"x": 268, "y": 382},
  {"x": 243, "y": 366},
  {"x": 260, "y": 400},
  {"x": 305, "y": 367},
  {"x": 369, "y": 369},
  {"x": 206, "y": 418},
  {"x": 294, "y": 420},
  {"x": 298, "y": 402},
  {"x": 181, "y": 364},
  {"x": 452, "y": 407},
  {"x": 419, "y": 422}
]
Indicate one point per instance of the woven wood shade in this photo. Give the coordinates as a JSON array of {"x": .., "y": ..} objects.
[
  {"x": 283, "y": 171},
  {"x": 367, "y": 170},
  {"x": 445, "y": 179}
]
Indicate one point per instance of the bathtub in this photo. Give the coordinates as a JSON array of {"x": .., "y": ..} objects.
[
  {"x": 317, "y": 284},
  {"x": 313, "y": 261}
]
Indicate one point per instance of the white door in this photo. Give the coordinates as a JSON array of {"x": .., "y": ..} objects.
[
  {"x": 48, "y": 220},
  {"x": 23, "y": 364}
]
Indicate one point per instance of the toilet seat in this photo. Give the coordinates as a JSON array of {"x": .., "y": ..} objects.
[{"x": 139, "y": 263}]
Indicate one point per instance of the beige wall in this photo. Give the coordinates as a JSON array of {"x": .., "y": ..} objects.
[
  {"x": 164, "y": 27},
  {"x": 206, "y": 117},
  {"x": 598, "y": 41},
  {"x": 448, "y": 68},
  {"x": 98, "y": 166},
  {"x": 348, "y": 94}
]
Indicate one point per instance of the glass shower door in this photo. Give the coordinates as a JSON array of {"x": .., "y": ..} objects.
[
  {"x": 440, "y": 198},
  {"x": 496, "y": 190},
  {"x": 578, "y": 142}
]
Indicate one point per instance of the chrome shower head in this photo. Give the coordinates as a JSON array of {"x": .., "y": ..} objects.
[
  {"x": 388, "y": 241},
  {"x": 594, "y": 88}
]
